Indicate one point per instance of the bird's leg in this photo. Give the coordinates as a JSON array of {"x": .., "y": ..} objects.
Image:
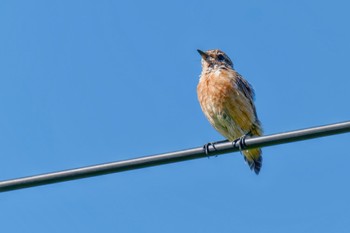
[
  {"x": 206, "y": 146},
  {"x": 241, "y": 142}
]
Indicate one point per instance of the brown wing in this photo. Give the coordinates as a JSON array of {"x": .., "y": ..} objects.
[
  {"x": 239, "y": 105},
  {"x": 248, "y": 91},
  {"x": 249, "y": 120}
]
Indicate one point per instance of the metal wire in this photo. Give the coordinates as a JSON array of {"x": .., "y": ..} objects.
[{"x": 172, "y": 157}]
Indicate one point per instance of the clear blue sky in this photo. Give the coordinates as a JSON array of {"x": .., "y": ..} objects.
[{"x": 88, "y": 82}]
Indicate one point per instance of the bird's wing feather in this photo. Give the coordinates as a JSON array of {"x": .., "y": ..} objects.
[
  {"x": 245, "y": 87},
  {"x": 248, "y": 91},
  {"x": 242, "y": 108}
]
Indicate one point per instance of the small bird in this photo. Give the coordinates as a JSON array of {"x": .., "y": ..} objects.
[{"x": 226, "y": 99}]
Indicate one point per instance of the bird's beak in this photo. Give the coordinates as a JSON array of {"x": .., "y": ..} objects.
[{"x": 203, "y": 54}]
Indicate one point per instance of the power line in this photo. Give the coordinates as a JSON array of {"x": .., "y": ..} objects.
[{"x": 172, "y": 157}]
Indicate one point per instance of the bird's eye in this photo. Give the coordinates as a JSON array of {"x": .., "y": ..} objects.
[{"x": 221, "y": 57}]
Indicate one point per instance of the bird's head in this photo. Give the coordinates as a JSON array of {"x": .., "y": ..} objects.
[{"x": 215, "y": 58}]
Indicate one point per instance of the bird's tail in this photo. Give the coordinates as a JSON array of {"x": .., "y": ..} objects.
[{"x": 254, "y": 159}]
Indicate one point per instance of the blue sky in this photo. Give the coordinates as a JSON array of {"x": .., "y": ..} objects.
[{"x": 89, "y": 82}]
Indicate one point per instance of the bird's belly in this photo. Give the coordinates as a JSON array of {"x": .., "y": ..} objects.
[
  {"x": 225, "y": 124},
  {"x": 214, "y": 105}
]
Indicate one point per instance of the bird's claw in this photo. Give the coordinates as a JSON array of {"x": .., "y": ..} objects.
[
  {"x": 206, "y": 146},
  {"x": 240, "y": 142}
]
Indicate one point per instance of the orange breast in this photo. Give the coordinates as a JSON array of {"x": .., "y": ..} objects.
[{"x": 224, "y": 104}]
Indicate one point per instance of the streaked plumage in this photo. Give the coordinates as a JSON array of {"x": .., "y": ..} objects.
[{"x": 227, "y": 100}]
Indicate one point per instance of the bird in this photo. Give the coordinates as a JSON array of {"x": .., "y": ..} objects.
[{"x": 227, "y": 101}]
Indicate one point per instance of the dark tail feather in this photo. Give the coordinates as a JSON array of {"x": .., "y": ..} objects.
[{"x": 254, "y": 159}]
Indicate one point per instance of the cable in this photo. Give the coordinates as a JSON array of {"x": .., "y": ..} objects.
[{"x": 172, "y": 157}]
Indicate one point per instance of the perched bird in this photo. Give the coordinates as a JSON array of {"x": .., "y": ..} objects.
[{"x": 226, "y": 99}]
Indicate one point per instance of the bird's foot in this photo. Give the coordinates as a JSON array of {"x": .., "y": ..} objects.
[
  {"x": 206, "y": 146},
  {"x": 240, "y": 142}
]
